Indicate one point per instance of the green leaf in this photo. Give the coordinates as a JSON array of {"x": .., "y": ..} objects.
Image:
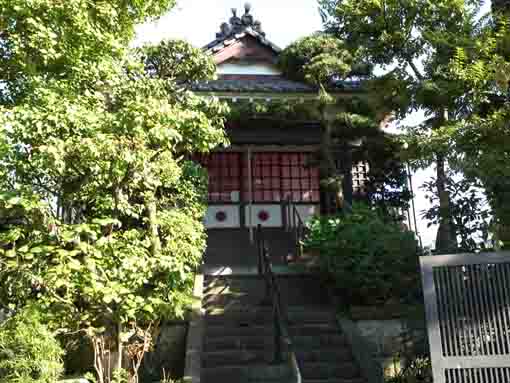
[{"x": 10, "y": 253}]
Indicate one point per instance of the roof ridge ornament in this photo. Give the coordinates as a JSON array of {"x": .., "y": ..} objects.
[
  {"x": 237, "y": 25},
  {"x": 247, "y": 19}
]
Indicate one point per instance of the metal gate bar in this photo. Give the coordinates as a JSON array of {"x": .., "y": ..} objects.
[{"x": 467, "y": 301}]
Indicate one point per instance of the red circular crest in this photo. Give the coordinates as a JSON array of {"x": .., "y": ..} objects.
[
  {"x": 264, "y": 215},
  {"x": 221, "y": 216}
]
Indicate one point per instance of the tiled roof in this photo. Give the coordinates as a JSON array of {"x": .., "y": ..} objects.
[
  {"x": 236, "y": 29},
  {"x": 269, "y": 85},
  {"x": 223, "y": 42},
  {"x": 232, "y": 32}
]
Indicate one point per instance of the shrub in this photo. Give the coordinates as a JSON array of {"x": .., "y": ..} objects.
[
  {"x": 28, "y": 351},
  {"x": 418, "y": 370},
  {"x": 367, "y": 258}
]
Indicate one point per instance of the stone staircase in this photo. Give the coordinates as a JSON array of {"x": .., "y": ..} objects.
[
  {"x": 238, "y": 342},
  {"x": 238, "y": 333}
]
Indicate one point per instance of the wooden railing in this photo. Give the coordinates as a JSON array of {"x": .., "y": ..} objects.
[
  {"x": 293, "y": 224},
  {"x": 283, "y": 350}
]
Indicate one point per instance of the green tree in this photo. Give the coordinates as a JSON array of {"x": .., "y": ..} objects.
[
  {"x": 29, "y": 353},
  {"x": 100, "y": 219},
  {"x": 43, "y": 39},
  {"x": 324, "y": 61},
  {"x": 470, "y": 211},
  {"x": 415, "y": 41},
  {"x": 177, "y": 60},
  {"x": 482, "y": 138}
]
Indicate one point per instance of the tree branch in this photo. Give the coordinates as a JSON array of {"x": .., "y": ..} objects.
[{"x": 414, "y": 68}]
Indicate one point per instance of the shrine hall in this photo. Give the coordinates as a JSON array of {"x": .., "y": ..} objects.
[{"x": 270, "y": 162}]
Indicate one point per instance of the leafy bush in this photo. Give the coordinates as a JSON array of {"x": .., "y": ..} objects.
[
  {"x": 418, "y": 370},
  {"x": 100, "y": 215},
  {"x": 367, "y": 258},
  {"x": 28, "y": 351}
]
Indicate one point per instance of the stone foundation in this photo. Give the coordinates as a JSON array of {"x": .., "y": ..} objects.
[
  {"x": 395, "y": 341},
  {"x": 167, "y": 357}
]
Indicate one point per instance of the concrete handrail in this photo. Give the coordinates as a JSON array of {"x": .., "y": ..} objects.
[{"x": 193, "y": 362}]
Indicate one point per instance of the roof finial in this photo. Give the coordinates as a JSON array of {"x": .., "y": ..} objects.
[
  {"x": 239, "y": 24},
  {"x": 247, "y": 18}
]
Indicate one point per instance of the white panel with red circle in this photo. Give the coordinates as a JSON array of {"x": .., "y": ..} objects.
[
  {"x": 222, "y": 217},
  {"x": 265, "y": 215}
]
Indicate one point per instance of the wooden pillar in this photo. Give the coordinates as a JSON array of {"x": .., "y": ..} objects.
[{"x": 250, "y": 198}]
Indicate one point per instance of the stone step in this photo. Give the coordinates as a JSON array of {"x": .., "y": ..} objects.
[
  {"x": 246, "y": 329},
  {"x": 231, "y": 301},
  {"x": 261, "y": 314},
  {"x": 238, "y": 319},
  {"x": 236, "y": 357},
  {"x": 330, "y": 371},
  {"x": 295, "y": 290},
  {"x": 243, "y": 283},
  {"x": 261, "y": 341},
  {"x": 325, "y": 354},
  {"x": 239, "y": 330},
  {"x": 225, "y": 290},
  {"x": 312, "y": 329},
  {"x": 334, "y": 380},
  {"x": 262, "y": 373},
  {"x": 235, "y": 343},
  {"x": 311, "y": 342},
  {"x": 239, "y": 334}
]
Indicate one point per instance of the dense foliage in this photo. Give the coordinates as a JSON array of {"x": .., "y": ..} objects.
[
  {"x": 41, "y": 40},
  {"x": 325, "y": 62},
  {"x": 177, "y": 60},
  {"x": 367, "y": 258},
  {"x": 387, "y": 184},
  {"x": 470, "y": 212},
  {"x": 418, "y": 370},
  {"x": 29, "y": 353},
  {"x": 482, "y": 139},
  {"x": 415, "y": 42},
  {"x": 100, "y": 212},
  {"x": 316, "y": 59}
]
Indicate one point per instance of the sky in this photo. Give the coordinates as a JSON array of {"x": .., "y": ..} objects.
[
  {"x": 198, "y": 20},
  {"x": 284, "y": 21}
]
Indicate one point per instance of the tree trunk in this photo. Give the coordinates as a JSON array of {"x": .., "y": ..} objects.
[
  {"x": 335, "y": 182},
  {"x": 118, "y": 362},
  {"x": 327, "y": 165},
  {"x": 498, "y": 191},
  {"x": 98, "y": 358},
  {"x": 446, "y": 240},
  {"x": 151, "y": 207}
]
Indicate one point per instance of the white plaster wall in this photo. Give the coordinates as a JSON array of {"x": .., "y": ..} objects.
[
  {"x": 233, "y": 217},
  {"x": 238, "y": 68},
  {"x": 275, "y": 215}
]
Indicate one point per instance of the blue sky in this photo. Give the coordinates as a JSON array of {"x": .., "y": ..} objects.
[{"x": 284, "y": 21}]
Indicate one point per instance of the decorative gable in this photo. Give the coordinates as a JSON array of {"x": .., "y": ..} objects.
[
  {"x": 241, "y": 47},
  {"x": 247, "y": 65}
]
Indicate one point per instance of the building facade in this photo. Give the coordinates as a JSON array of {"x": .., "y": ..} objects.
[{"x": 270, "y": 161}]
